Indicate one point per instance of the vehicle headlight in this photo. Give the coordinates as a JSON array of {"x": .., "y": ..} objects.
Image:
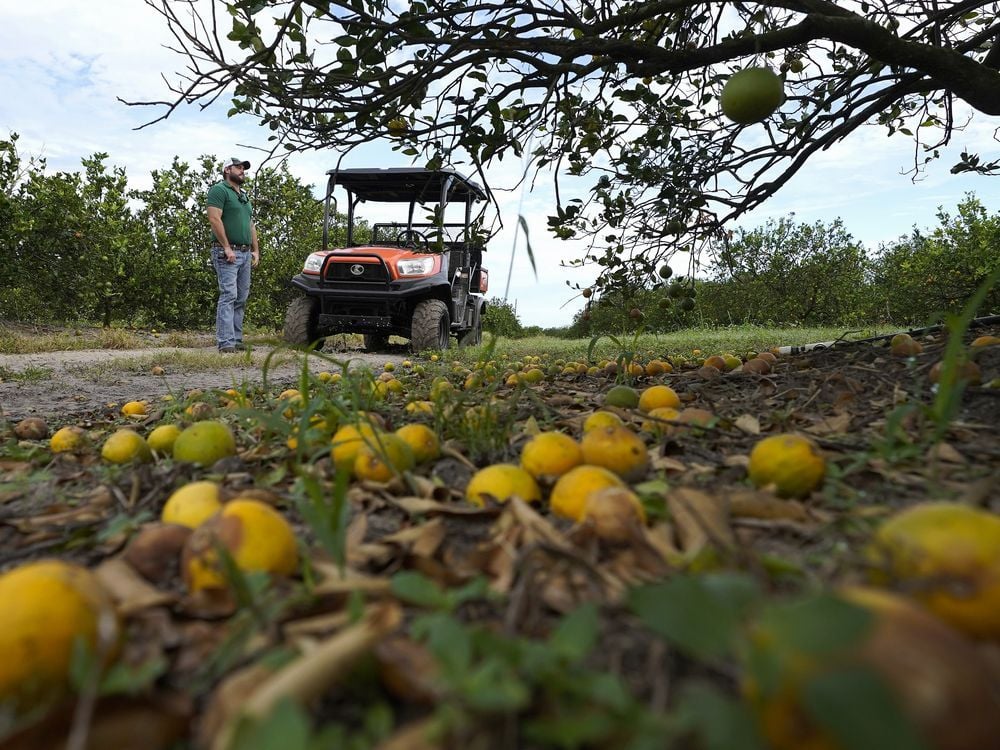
[
  {"x": 313, "y": 263},
  {"x": 415, "y": 266}
]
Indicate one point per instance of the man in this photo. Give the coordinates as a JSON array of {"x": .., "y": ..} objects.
[{"x": 234, "y": 252}]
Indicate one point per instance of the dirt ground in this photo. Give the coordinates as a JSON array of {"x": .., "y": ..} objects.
[{"x": 74, "y": 385}]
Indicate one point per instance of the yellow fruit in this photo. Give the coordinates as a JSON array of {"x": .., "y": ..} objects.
[
  {"x": 947, "y": 556},
  {"x": 549, "y": 455},
  {"x": 659, "y": 420},
  {"x": 534, "y": 376},
  {"x": 658, "y": 395},
  {"x": 124, "y": 446},
  {"x": 617, "y": 449},
  {"x": 347, "y": 441},
  {"x": 162, "y": 439},
  {"x": 968, "y": 371},
  {"x": 790, "y": 462},
  {"x": 324, "y": 376},
  {"x": 903, "y": 345},
  {"x": 569, "y": 495},
  {"x": 717, "y": 362},
  {"x": 937, "y": 679},
  {"x": 419, "y": 407},
  {"x": 204, "y": 443},
  {"x": 985, "y": 341},
  {"x": 68, "y": 440},
  {"x": 257, "y": 537},
  {"x": 601, "y": 419},
  {"x": 47, "y": 607},
  {"x": 751, "y": 95},
  {"x": 423, "y": 441},
  {"x": 614, "y": 513},
  {"x": 382, "y": 459},
  {"x": 502, "y": 482},
  {"x": 192, "y": 504},
  {"x": 134, "y": 408},
  {"x": 199, "y": 410},
  {"x": 731, "y": 361}
]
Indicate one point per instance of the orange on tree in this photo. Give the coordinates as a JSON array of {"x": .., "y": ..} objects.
[
  {"x": 946, "y": 556},
  {"x": 791, "y": 463},
  {"x": 618, "y": 449},
  {"x": 256, "y": 536},
  {"x": 751, "y": 95},
  {"x": 502, "y": 482},
  {"x": 570, "y": 493},
  {"x": 549, "y": 455},
  {"x": 48, "y": 607}
]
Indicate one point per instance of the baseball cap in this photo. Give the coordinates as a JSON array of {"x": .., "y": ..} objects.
[{"x": 232, "y": 161}]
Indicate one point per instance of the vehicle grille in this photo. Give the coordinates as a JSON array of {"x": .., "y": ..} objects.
[{"x": 371, "y": 273}]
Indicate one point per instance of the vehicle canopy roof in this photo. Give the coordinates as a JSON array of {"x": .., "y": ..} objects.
[{"x": 407, "y": 184}]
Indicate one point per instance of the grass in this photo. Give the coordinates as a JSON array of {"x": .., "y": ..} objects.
[
  {"x": 27, "y": 375},
  {"x": 735, "y": 339},
  {"x": 26, "y": 341},
  {"x": 208, "y": 360}
]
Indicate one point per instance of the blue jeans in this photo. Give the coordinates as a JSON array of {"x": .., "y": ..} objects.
[{"x": 234, "y": 288}]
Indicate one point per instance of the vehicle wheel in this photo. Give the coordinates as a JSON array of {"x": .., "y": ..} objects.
[
  {"x": 474, "y": 336},
  {"x": 376, "y": 342},
  {"x": 301, "y": 322},
  {"x": 431, "y": 326}
]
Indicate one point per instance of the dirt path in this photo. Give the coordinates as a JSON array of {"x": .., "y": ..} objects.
[{"x": 65, "y": 383}]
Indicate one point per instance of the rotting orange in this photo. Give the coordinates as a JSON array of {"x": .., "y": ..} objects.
[
  {"x": 502, "y": 482},
  {"x": 124, "y": 446},
  {"x": 204, "y": 443},
  {"x": 549, "y": 455},
  {"x": 569, "y": 495},
  {"x": 614, "y": 513},
  {"x": 49, "y": 607},
  {"x": 256, "y": 536},
  {"x": 192, "y": 504},
  {"x": 656, "y": 396},
  {"x": 386, "y": 456},
  {"x": 618, "y": 449},
  {"x": 947, "y": 556},
  {"x": 791, "y": 463}
]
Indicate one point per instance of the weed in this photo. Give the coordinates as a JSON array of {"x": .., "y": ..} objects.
[{"x": 29, "y": 374}]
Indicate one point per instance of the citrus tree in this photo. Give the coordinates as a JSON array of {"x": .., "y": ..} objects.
[{"x": 679, "y": 115}]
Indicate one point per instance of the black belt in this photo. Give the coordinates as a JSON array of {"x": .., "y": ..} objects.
[{"x": 235, "y": 247}]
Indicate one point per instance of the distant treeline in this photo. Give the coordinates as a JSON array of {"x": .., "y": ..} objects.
[{"x": 83, "y": 247}]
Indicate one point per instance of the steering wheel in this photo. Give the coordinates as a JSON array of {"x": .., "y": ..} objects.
[{"x": 409, "y": 238}]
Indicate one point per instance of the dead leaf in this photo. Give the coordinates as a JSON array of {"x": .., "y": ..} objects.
[
  {"x": 737, "y": 459},
  {"x": 417, "y": 735},
  {"x": 747, "y": 423},
  {"x": 700, "y": 519},
  {"x": 838, "y": 424},
  {"x": 407, "y": 669},
  {"x": 131, "y": 592},
  {"x": 945, "y": 452},
  {"x": 753, "y": 504},
  {"x": 665, "y": 463}
]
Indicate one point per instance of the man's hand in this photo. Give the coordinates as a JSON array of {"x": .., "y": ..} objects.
[
  {"x": 255, "y": 258},
  {"x": 230, "y": 255}
]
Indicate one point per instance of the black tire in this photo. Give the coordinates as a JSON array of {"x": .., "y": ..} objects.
[
  {"x": 473, "y": 336},
  {"x": 431, "y": 326},
  {"x": 376, "y": 342},
  {"x": 301, "y": 322}
]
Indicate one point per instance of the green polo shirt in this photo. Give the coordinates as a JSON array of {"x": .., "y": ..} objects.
[{"x": 237, "y": 213}]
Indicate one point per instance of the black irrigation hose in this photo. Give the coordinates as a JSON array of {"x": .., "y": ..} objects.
[{"x": 975, "y": 323}]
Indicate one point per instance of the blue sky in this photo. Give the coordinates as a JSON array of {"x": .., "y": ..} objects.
[{"x": 63, "y": 66}]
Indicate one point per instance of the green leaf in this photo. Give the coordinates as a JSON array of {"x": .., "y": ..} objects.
[
  {"x": 700, "y": 615},
  {"x": 285, "y": 728},
  {"x": 855, "y": 707},
  {"x": 417, "y": 589},
  {"x": 576, "y": 634},
  {"x": 719, "y": 722},
  {"x": 819, "y": 625}
]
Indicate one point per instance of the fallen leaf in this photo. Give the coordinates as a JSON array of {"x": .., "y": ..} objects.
[
  {"x": 131, "y": 592},
  {"x": 747, "y": 423},
  {"x": 838, "y": 424},
  {"x": 700, "y": 519},
  {"x": 945, "y": 452}
]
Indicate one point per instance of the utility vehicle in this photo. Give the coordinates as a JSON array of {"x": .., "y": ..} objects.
[{"x": 416, "y": 276}]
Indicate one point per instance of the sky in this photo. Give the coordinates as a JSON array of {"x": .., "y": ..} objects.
[{"x": 64, "y": 66}]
